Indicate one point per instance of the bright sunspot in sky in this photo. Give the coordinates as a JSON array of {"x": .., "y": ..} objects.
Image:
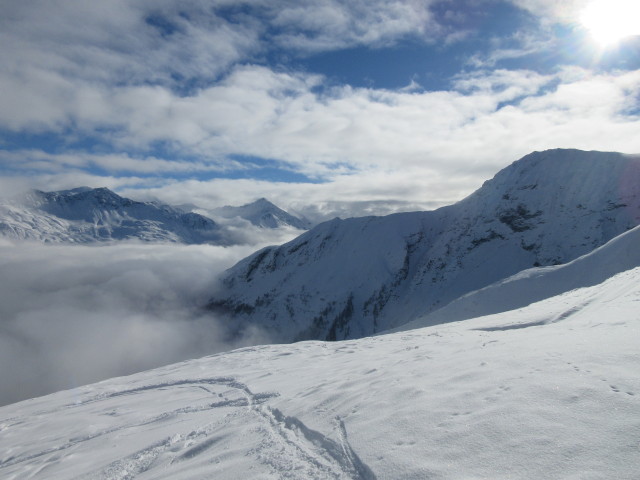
[{"x": 609, "y": 21}]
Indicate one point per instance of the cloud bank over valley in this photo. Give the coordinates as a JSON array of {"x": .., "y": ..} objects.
[{"x": 70, "y": 315}]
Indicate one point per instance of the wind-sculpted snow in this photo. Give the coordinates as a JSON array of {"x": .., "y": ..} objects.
[
  {"x": 547, "y": 391},
  {"x": 356, "y": 277}
]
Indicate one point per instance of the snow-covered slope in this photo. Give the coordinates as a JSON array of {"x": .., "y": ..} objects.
[
  {"x": 536, "y": 284},
  {"x": 262, "y": 213},
  {"x": 86, "y": 215},
  {"x": 550, "y": 391},
  {"x": 350, "y": 278}
]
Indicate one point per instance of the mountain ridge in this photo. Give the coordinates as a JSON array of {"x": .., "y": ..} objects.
[
  {"x": 263, "y": 213},
  {"x": 88, "y": 215},
  {"x": 619, "y": 254},
  {"x": 356, "y": 277}
]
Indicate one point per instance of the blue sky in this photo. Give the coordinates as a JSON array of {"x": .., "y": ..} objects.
[{"x": 325, "y": 107}]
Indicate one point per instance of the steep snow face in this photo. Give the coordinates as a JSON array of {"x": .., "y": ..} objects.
[
  {"x": 351, "y": 278},
  {"x": 263, "y": 213},
  {"x": 550, "y": 391},
  {"x": 85, "y": 215},
  {"x": 535, "y": 284}
]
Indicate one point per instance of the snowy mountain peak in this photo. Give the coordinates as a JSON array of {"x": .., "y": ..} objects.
[
  {"x": 565, "y": 168},
  {"x": 81, "y": 201},
  {"x": 75, "y": 190},
  {"x": 356, "y": 277},
  {"x": 262, "y": 213},
  {"x": 85, "y": 215}
]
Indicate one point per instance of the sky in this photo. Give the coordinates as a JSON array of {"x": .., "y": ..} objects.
[{"x": 325, "y": 107}]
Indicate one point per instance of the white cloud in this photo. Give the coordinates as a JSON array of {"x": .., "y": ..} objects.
[
  {"x": 65, "y": 62},
  {"x": 40, "y": 160},
  {"x": 16, "y": 184},
  {"x": 551, "y": 10},
  {"x": 134, "y": 42},
  {"x": 117, "y": 40},
  {"x": 111, "y": 80},
  {"x": 331, "y": 24},
  {"x": 413, "y": 142},
  {"x": 70, "y": 315},
  {"x": 520, "y": 44},
  {"x": 383, "y": 130},
  {"x": 365, "y": 193}
]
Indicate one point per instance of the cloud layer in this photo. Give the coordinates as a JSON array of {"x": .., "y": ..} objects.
[
  {"x": 176, "y": 96},
  {"x": 71, "y": 315}
]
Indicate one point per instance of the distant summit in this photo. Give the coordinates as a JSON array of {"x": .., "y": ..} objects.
[
  {"x": 262, "y": 213},
  {"x": 88, "y": 215}
]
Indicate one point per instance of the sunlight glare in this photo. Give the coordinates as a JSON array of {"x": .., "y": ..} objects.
[{"x": 609, "y": 21}]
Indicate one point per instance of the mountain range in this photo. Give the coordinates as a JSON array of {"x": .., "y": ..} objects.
[
  {"x": 514, "y": 352},
  {"x": 356, "y": 277},
  {"x": 89, "y": 215}
]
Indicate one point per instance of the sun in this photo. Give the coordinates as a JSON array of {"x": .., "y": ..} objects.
[{"x": 609, "y": 21}]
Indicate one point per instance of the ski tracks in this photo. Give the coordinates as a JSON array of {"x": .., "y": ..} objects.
[
  {"x": 303, "y": 453},
  {"x": 296, "y": 451},
  {"x": 285, "y": 445}
]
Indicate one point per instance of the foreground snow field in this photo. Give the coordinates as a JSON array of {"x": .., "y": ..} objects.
[{"x": 544, "y": 392}]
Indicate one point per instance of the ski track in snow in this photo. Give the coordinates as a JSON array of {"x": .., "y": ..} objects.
[{"x": 288, "y": 446}]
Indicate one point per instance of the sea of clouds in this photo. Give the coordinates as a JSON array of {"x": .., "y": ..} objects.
[{"x": 71, "y": 315}]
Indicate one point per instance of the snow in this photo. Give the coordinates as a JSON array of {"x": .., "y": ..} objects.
[
  {"x": 89, "y": 215},
  {"x": 546, "y": 391},
  {"x": 97, "y": 215},
  {"x": 262, "y": 213},
  {"x": 535, "y": 284},
  {"x": 356, "y": 277}
]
